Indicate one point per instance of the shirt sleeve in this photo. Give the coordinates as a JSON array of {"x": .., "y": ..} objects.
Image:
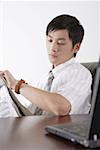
[{"x": 77, "y": 90}]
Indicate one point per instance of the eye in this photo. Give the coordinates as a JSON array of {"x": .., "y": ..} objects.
[
  {"x": 50, "y": 40},
  {"x": 60, "y": 42}
]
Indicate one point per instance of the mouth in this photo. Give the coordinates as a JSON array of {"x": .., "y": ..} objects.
[{"x": 52, "y": 55}]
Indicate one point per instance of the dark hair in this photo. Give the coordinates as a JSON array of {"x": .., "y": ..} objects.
[{"x": 71, "y": 24}]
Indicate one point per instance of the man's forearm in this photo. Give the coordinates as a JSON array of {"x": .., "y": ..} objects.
[{"x": 50, "y": 102}]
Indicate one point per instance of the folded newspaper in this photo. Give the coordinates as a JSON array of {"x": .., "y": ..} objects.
[
  {"x": 6, "y": 107},
  {"x": 9, "y": 104}
]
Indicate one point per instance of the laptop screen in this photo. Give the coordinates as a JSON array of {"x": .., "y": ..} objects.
[{"x": 94, "y": 123}]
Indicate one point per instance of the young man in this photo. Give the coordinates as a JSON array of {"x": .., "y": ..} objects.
[{"x": 71, "y": 83}]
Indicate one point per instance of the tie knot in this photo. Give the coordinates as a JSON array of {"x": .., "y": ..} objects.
[{"x": 51, "y": 76}]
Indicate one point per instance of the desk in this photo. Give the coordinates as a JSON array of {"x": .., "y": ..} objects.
[{"x": 28, "y": 133}]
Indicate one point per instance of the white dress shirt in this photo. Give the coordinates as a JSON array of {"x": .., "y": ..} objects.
[{"x": 73, "y": 81}]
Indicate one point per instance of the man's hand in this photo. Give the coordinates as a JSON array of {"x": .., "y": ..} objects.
[{"x": 10, "y": 80}]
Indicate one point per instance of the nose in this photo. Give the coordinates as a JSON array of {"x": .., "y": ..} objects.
[{"x": 54, "y": 47}]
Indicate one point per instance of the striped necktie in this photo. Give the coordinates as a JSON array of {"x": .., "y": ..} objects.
[{"x": 39, "y": 111}]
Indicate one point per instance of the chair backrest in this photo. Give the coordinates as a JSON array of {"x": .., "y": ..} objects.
[{"x": 91, "y": 66}]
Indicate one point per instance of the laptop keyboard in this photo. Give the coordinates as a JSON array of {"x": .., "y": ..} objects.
[{"x": 79, "y": 129}]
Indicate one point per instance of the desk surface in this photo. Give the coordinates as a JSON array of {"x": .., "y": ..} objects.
[{"x": 28, "y": 133}]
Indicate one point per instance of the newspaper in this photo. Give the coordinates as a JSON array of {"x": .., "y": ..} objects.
[{"x": 6, "y": 107}]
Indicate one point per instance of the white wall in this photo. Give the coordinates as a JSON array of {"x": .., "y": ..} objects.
[{"x": 23, "y": 25}]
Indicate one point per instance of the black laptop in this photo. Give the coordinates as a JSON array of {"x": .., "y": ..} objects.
[{"x": 86, "y": 133}]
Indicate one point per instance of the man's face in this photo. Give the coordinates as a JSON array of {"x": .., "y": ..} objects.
[{"x": 59, "y": 46}]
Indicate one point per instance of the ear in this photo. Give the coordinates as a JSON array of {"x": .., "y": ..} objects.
[{"x": 76, "y": 47}]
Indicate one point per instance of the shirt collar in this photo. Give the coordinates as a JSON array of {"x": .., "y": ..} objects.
[{"x": 60, "y": 67}]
